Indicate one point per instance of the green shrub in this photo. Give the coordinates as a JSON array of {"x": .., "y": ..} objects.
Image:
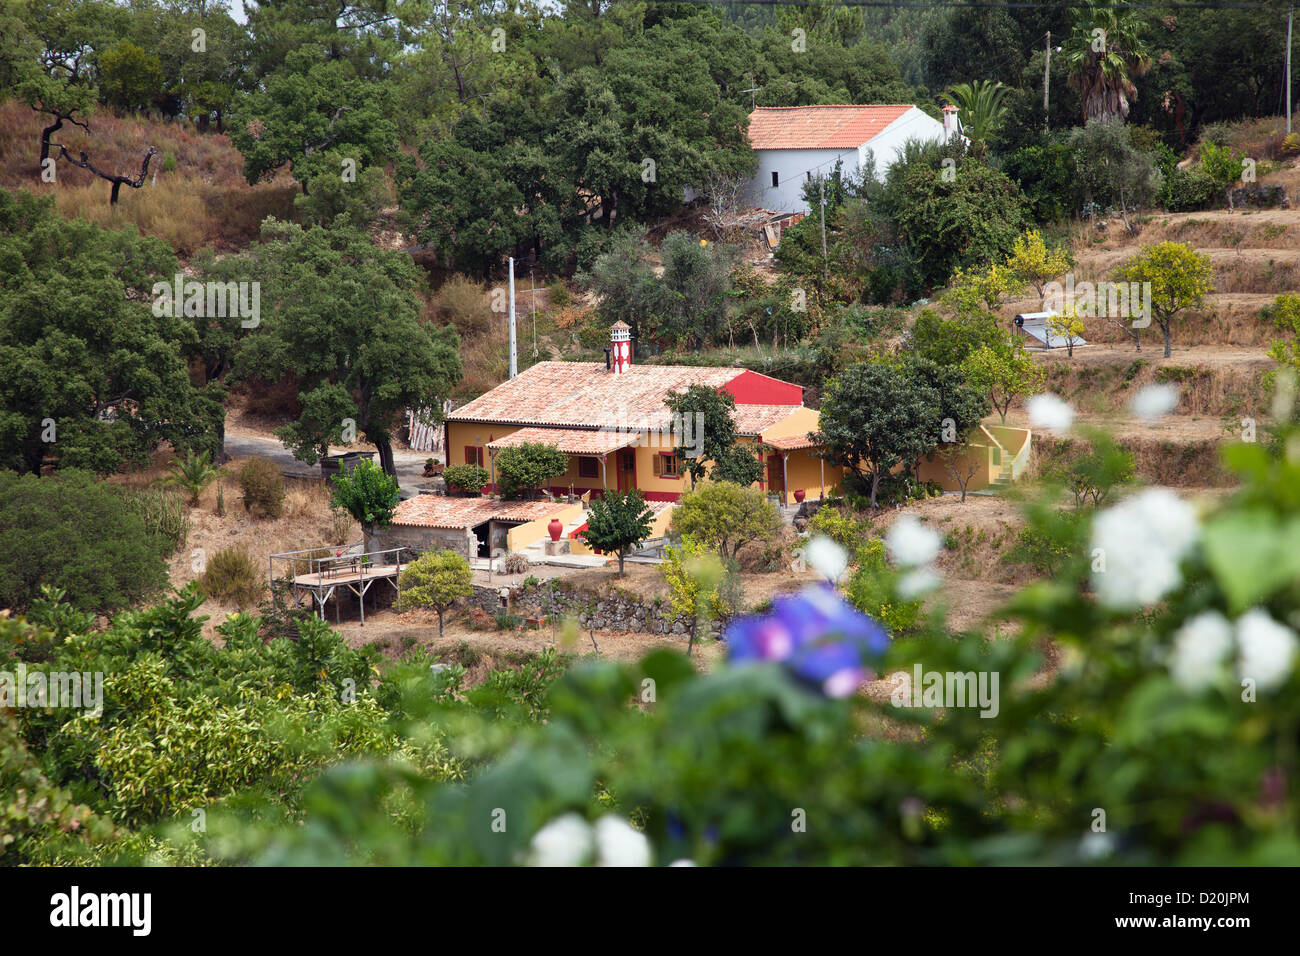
[
  {"x": 73, "y": 532},
  {"x": 263, "y": 487},
  {"x": 1187, "y": 190},
  {"x": 469, "y": 478},
  {"x": 233, "y": 576},
  {"x": 522, "y": 468},
  {"x": 368, "y": 493}
]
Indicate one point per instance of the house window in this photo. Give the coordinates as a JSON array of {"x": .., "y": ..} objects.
[
  {"x": 474, "y": 455},
  {"x": 588, "y": 468},
  {"x": 776, "y": 179},
  {"x": 667, "y": 466}
]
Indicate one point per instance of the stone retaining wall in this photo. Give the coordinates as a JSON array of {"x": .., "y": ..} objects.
[{"x": 610, "y": 610}]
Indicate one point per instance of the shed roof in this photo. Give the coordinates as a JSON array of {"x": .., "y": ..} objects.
[{"x": 441, "y": 511}]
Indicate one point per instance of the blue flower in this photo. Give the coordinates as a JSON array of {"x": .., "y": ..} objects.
[{"x": 815, "y": 634}]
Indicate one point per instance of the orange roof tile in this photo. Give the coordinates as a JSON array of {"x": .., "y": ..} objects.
[
  {"x": 790, "y": 442},
  {"x": 753, "y": 419},
  {"x": 572, "y": 441},
  {"x": 819, "y": 127},
  {"x": 586, "y": 394},
  {"x": 441, "y": 511}
]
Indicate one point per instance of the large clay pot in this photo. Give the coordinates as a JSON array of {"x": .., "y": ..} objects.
[
  {"x": 556, "y": 528},
  {"x": 799, "y": 495}
]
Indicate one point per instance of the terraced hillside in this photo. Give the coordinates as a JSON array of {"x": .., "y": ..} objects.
[{"x": 1219, "y": 359}]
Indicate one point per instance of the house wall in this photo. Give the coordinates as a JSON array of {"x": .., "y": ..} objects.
[
  {"x": 935, "y": 468},
  {"x": 421, "y": 539},
  {"x": 530, "y": 532},
  {"x": 462, "y": 434},
  {"x": 755, "y": 388},
  {"x": 792, "y": 165},
  {"x": 886, "y": 146}
]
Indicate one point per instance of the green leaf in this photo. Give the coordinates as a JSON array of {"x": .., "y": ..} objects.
[{"x": 1252, "y": 555}]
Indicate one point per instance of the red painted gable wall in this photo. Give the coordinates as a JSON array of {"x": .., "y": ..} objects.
[{"x": 754, "y": 388}]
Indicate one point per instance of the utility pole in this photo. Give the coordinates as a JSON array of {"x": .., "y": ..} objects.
[
  {"x": 821, "y": 188},
  {"x": 514, "y": 354},
  {"x": 533, "y": 295},
  {"x": 1290, "y": 18},
  {"x": 1047, "y": 71}
]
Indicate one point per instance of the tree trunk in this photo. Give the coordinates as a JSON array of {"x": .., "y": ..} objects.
[
  {"x": 620, "y": 562},
  {"x": 220, "y": 458},
  {"x": 1164, "y": 327},
  {"x": 439, "y": 610},
  {"x": 875, "y": 484},
  {"x": 117, "y": 188},
  {"x": 45, "y": 140},
  {"x": 386, "y": 461}
]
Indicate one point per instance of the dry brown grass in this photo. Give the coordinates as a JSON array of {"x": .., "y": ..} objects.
[
  {"x": 194, "y": 196},
  {"x": 1206, "y": 389},
  {"x": 1174, "y": 464}
]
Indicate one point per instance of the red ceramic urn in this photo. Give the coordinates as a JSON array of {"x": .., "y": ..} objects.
[{"x": 556, "y": 528}]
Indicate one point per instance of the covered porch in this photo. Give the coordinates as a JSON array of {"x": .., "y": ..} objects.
[
  {"x": 795, "y": 473},
  {"x": 599, "y": 459}
]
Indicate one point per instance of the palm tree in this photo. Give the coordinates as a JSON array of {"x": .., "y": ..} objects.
[
  {"x": 193, "y": 472},
  {"x": 979, "y": 107},
  {"x": 1106, "y": 54}
]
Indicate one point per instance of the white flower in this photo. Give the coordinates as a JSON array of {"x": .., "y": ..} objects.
[
  {"x": 826, "y": 558},
  {"x": 1096, "y": 846},
  {"x": 1048, "y": 411},
  {"x": 565, "y": 841},
  {"x": 1154, "y": 401},
  {"x": 1267, "y": 649},
  {"x": 1199, "y": 649},
  {"x": 619, "y": 844},
  {"x": 1141, "y": 542},
  {"x": 911, "y": 544},
  {"x": 918, "y": 582}
]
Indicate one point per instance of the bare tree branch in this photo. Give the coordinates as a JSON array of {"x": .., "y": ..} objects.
[{"x": 116, "y": 180}]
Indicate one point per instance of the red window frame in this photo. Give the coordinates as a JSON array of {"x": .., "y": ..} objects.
[
  {"x": 586, "y": 462},
  {"x": 474, "y": 455}
]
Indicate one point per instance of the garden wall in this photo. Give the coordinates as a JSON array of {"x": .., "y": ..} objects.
[{"x": 610, "y": 609}]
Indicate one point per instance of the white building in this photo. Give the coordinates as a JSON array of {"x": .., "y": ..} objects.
[{"x": 796, "y": 144}]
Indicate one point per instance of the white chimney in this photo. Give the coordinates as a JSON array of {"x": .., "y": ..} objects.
[
  {"x": 950, "y": 126},
  {"x": 620, "y": 342}
]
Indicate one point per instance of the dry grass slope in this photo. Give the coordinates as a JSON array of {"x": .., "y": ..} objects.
[{"x": 195, "y": 195}]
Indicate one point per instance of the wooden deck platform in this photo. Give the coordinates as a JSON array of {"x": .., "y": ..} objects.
[
  {"x": 352, "y": 569},
  {"x": 348, "y": 574}
]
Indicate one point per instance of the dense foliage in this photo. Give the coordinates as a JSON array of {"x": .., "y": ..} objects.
[{"x": 71, "y": 532}]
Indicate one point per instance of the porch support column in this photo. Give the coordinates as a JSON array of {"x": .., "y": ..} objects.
[
  {"x": 492, "y": 468},
  {"x": 785, "y": 479},
  {"x": 604, "y": 475},
  {"x": 821, "y": 463}
]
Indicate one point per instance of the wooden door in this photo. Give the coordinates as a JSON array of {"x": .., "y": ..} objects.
[{"x": 626, "y": 469}]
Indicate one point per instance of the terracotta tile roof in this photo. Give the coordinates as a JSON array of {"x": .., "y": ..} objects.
[
  {"x": 441, "y": 511},
  {"x": 572, "y": 441},
  {"x": 586, "y": 394},
  {"x": 790, "y": 442},
  {"x": 752, "y": 419},
  {"x": 819, "y": 127}
]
